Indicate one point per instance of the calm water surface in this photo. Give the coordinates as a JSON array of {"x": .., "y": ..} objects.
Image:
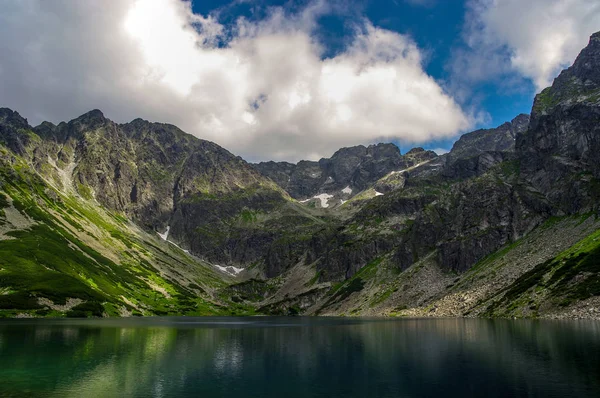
[{"x": 299, "y": 357}]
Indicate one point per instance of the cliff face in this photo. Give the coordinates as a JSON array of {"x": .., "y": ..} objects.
[
  {"x": 500, "y": 139},
  {"x": 560, "y": 153}
]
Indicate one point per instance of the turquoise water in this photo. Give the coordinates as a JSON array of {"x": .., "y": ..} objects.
[{"x": 298, "y": 357}]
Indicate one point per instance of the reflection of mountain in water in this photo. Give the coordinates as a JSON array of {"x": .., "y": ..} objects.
[{"x": 300, "y": 357}]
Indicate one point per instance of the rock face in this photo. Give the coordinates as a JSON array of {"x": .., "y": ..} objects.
[
  {"x": 10, "y": 125},
  {"x": 354, "y": 169},
  {"x": 560, "y": 153},
  {"x": 499, "y": 139}
]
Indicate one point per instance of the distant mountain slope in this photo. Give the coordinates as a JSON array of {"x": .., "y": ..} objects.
[{"x": 346, "y": 173}]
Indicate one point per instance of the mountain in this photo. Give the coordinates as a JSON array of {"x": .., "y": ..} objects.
[
  {"x": 510, "y": 233},
  {"x": 348, "y": 172},
  {"x": 96, "y": 198},
  {"x": 100, "y": 218},
  {"x": 499, "y": 139},
  {"x": 63, "y": 253},
  {"x": 560, "y": 152},
  {"x": 503, "y": 225}
]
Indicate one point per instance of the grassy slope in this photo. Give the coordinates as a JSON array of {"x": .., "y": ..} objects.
[
  {"x": 550, "y": 287},
  {"x": 88, "y": 261}
]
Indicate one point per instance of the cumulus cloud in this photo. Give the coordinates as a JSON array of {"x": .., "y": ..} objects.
[
  {"x": 262, "y": 89},
  {"x": 535, "y": 39}
]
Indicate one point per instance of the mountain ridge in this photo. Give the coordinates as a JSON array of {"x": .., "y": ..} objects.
[{"x": 368, "y": 231}]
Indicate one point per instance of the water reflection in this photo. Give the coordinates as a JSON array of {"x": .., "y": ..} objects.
[{"x": 299, "y": 357}]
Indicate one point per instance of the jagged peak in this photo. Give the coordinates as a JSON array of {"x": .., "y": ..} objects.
[
  {"x": 94, "y": 113},
  {"x": 383, "y": 145},
  {"x": 13, "y": 118},
  {"x": 361, "y": 150},
  {"x": 575, "y": 84},
  {"x": 415, "y": 151},
  {"x": 90, "y": 120},
  {"x": 45, "y": 128},
  {"x": 347, "y": 149},
  {"x": 46, "y": 123},
  {"x": 520, "y": 117}
]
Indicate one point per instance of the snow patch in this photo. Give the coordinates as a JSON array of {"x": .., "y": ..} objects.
[
  {"x": 166, "y": 234},
  {"x": 342, "y": 201},
  {"x": 229, "y": 269},
  {"x": 305, "y": 200},
  {"x": 378, "y": 193},
  {"x": 411, "y": 167},
  {"x": 324, "y": 197},
  {"x": 165, "y": 237},
  {"x": 347, "y": 190},
  {"x": 329, "y": 180},
  {"x": 179, "y": 247}
]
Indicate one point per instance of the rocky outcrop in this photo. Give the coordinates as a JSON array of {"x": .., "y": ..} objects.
[{"x": 13, "y": 129}]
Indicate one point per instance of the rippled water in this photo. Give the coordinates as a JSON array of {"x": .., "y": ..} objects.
[{"x": 299, "y": 357}]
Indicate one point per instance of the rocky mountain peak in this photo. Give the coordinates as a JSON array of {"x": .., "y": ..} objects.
[
  {"x": 419, "y": 155},
  {"x": 357, "y": 150},
  {"x": 13, "y": 131},
  {"x": 91, "y": 120},
  {"x": 349, "y": 169},
  {"x": 578, "y": 83},
  {"x": 499, "y": 139},
  {"x": 415, "y": 151},
  {"x": 13, "y": 119},
  {"x": 520, "y": 123},
  {"x": 586, "y": 65},
  {"x": 564, "y": 135},
  {"x": 383, "y": 149}
]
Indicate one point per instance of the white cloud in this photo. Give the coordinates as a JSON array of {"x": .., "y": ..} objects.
[
  {"x": 535, "y": 38},
  {"x": 261, "y": 89}
]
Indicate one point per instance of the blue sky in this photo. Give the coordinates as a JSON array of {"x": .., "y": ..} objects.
[{"x": 290, "y": 79}]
